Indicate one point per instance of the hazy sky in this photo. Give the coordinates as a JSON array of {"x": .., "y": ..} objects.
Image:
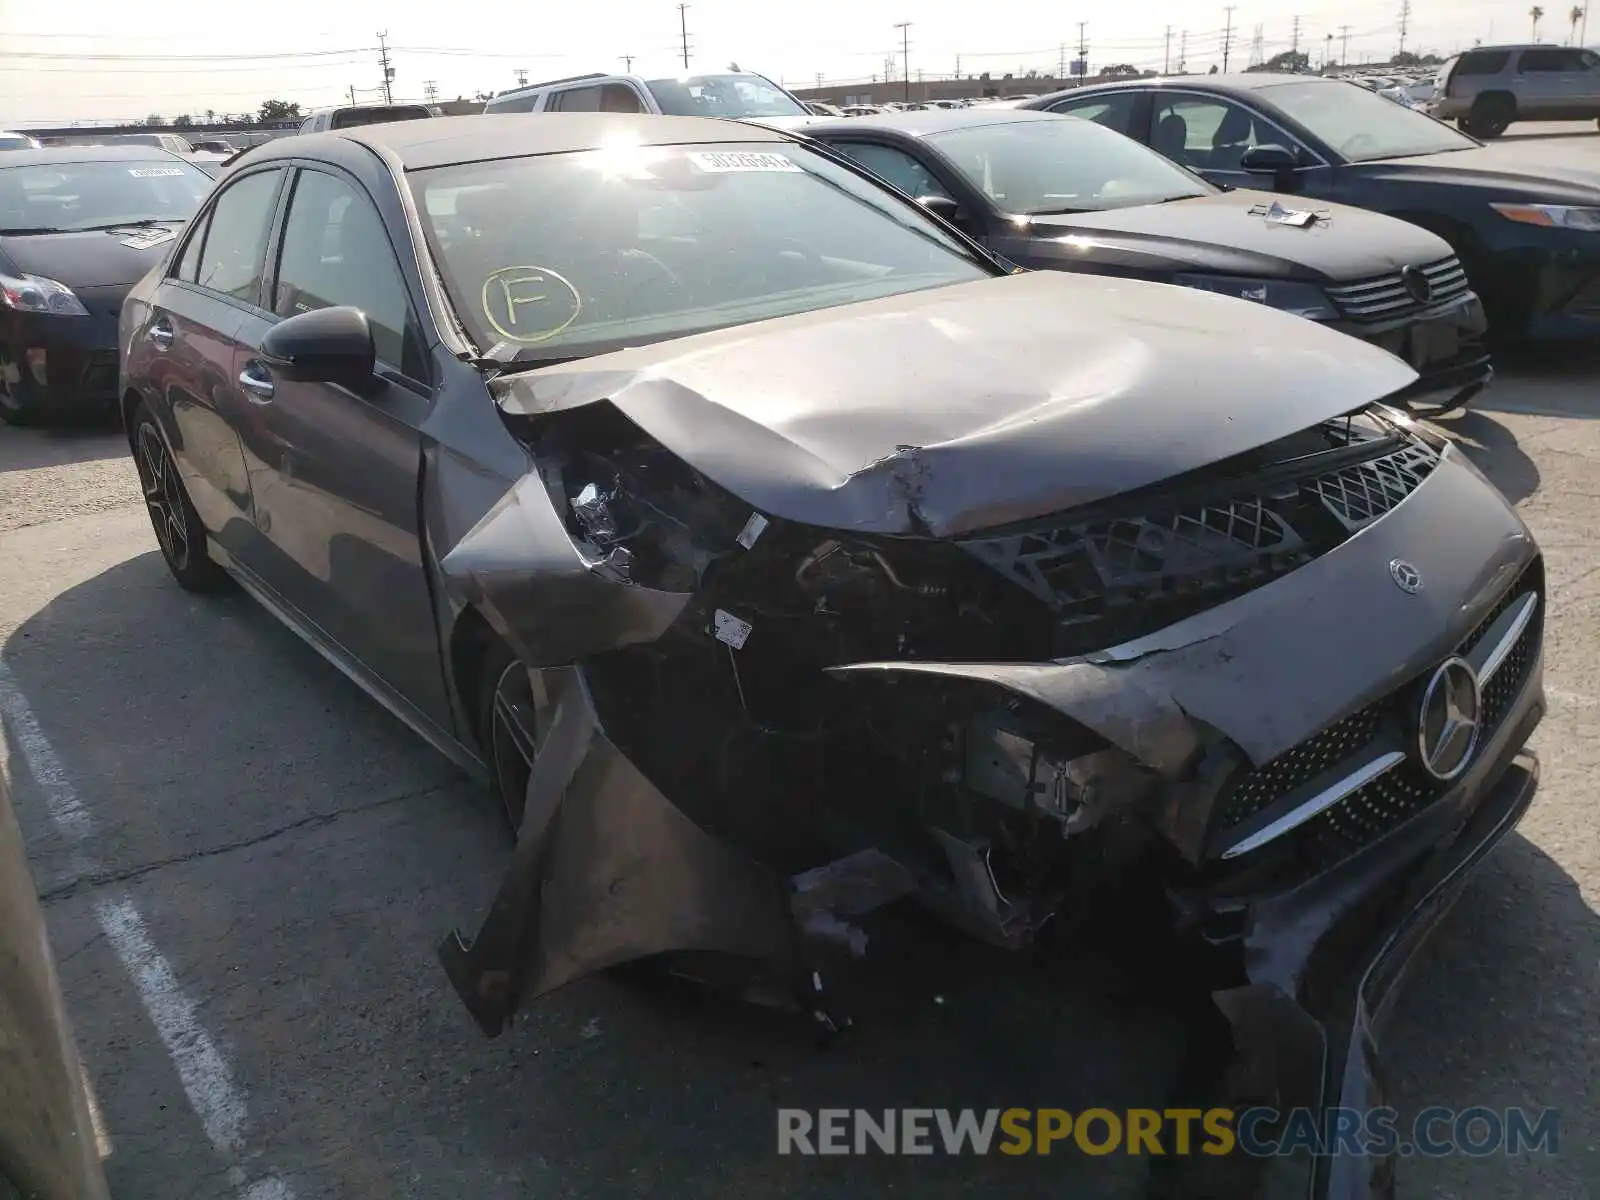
[{"x": 96, "y": 59}]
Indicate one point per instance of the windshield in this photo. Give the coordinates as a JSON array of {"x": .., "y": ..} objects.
[
  {"x": 1362, "y": 126},
  {"x": 739, "y": 95},
  {"x": 564, "y": 255},
  {"x": 1063, "y": 164},
  {"x": 86, "y": 195},
  {"x": 347, "y": 118}
]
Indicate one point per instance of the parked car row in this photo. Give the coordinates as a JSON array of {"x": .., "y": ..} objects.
[{"x": 777, "y": 551}]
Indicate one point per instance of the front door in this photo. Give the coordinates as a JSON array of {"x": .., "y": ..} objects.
[
  {"x": 337, "y": 496},
  {"x": 1209, "y": 134}
]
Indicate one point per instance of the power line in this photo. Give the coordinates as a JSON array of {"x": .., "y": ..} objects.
[{"x": 59, "y": 56}]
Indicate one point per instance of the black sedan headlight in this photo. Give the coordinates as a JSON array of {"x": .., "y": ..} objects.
[
  {"x": 1301, "y": 299},
  {"x": 36, "y": 294}
]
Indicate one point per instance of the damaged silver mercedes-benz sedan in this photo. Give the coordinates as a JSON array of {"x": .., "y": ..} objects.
[{"x": 780, "y": 557}]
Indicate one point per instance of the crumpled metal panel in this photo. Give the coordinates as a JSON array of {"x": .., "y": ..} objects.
[{"x": 969, "y": 407}]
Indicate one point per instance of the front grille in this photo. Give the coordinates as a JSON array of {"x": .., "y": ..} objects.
[
  {"x": 1398, "y": 793},
  {"x": 1386, "y": 297},
  {"x": 1116, "y": 576}
]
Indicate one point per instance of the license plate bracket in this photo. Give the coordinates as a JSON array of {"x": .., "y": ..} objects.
[{"x": 1433, "y": 342}]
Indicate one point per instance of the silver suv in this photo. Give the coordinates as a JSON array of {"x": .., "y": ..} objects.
[
  {"x": 741, "y": 95},
  {"x": 1489, "y": 87}
]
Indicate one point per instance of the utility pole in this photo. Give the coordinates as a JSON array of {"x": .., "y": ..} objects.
[
  {"x": 958, "y": 66},
  {"x": 430, "y": 91},
  {"x": 1166, "y": 53},
  {"x": 627, "y": 63},
  {"x": 1294, "y": 38},
  {"x": 683, "y": 32},
  {"x": 1061, "y": 62},
  {"x": 1344, "y": 45},
  {"x": 1227, "y": 37},
  {"x": 383, "y": 61},
  {"x": 905, "y": 56},
  {"x": 352, "y": 95},
  {"x": 819, "y": 81},
  {"x": 1083, "y": 50},
  {"x": 1327, "y": 52},
  {"x": 522, "y": 76},
  {"x": 1405, "y": 22},
  {"x": 1183, "y": 52}
]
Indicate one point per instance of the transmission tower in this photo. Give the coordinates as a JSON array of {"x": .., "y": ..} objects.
[
  {"x": 1294, "y": 38},
  {"x": 1344, "y": 45},
  {"x": 1405, "y": 23},
  {"x": 1258, "y": 46}
]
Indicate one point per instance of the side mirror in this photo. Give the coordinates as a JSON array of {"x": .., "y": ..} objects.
[
  {"x": 1269, "y": 159},
  {"x": 326, "y": 345},
  {"x": 940, "y": 206}
]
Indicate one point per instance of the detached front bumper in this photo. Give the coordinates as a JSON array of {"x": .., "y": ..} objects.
[{"x": 1444, "y": 345}]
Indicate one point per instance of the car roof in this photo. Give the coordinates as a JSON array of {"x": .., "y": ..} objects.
[
  {"x": 931, "y": 121},
  {"x": 62, "y": 155},
  {"x": 441, "y": 141},
  {"x": 1252, "y": 82}
]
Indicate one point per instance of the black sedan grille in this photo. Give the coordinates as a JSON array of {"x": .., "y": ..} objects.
[
  {"x": 1393, "y": 796},
  {"x": 1114, "y": 578},
  {"x": 1386, "y": 297}
]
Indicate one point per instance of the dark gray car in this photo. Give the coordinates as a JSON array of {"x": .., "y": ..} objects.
[
  {"x": 778, "y": 555},
  {"x": 1056, "y": 192}
]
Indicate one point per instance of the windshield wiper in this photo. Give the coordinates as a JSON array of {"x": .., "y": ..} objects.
[
  {"x": 32, "y": 230},
  {"x": 136, "y": 223}
]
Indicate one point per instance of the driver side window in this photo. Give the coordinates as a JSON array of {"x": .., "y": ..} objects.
[
  {"x": 895, "y": 167},
  {"x": 1208, "y": 133}
]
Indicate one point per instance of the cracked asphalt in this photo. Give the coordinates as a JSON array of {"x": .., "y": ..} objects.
[{"x": 296, "y": 856}]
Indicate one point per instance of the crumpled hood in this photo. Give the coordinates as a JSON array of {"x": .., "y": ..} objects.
[
  {"x": 95, "y": 258},
  {"x": 1221, "y": 233},
  {"x": 1517, "y": 170},
  {"x": 965, "y": 407}
]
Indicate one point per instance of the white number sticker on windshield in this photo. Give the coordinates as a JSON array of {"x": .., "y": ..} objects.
[
  {"x": 153, "y": 172},
  {"x": 721, "y": 161}
]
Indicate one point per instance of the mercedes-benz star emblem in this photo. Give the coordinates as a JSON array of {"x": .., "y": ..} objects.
[
  {"x": 1418, "y": 286},
  {"x": 1450, "y": 719},
  {"x": 1406, "y": 577}
]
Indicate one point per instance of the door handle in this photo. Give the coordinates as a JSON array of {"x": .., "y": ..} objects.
[
  {"x": 257, "y": 384},
  {"x": 160, "y": 334}
]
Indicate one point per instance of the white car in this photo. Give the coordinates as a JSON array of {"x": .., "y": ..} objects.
[{"x": 17, "y": 141}]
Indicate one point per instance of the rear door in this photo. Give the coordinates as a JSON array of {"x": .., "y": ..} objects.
[
  {"x": 1541, "y": 84},
  {"x": 212, "y": 285},
  {"x": 337, "y": 497}
]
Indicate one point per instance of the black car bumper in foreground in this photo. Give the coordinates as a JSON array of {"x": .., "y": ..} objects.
[
  {"x": 1445, "y": 346},
  {"x": 57, "y": 365}
]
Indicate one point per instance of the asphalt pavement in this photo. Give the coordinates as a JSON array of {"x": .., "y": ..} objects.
[{"x": 246, "y": 867}]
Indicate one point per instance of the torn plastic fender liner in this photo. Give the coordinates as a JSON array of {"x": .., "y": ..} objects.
[
  {"x": 1150, "y": 728},
  {"x": 520, "y": 568},
  {"x": 607, "y": 871}
]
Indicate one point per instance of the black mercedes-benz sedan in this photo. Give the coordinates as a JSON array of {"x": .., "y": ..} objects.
[
  {"x": 1524, "y": 217},
  {"x": 779, "y": 556},
  {"x": 78, "y": 226},
  {"x": 1055, "y": 192}
]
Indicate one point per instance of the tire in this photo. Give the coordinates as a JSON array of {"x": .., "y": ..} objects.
[
  {"x": 1492, "y": 115},
  {"x": 18, "y": 406},
  {"x": 506, "y": 722},
  {"x": 177, "y": 526}
]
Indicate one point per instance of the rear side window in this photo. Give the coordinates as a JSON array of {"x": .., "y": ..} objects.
[
  {"x": 513, "y": 104},
  {"x": 1481, "y": 62},
  {"x": 188, "y": 266},
  {"x": 1555, "y": 59},
  {"x": 236, "y": 242},
  {"x": 584, "y": 99},
  {"x": 1115, "y": 112}
]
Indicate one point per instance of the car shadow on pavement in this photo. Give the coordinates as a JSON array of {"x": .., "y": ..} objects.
[
  {"x": 1494, "y": 450},
  {"x": 297, "y": 857},
  {"x": 1502, "y": 1009},
  {"x": 26, "y": 449}
]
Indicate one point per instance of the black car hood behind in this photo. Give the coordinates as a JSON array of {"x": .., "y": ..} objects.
[
  {"x": 966, "y": 407},
  {"x": 97, "y": 258},
  {"x": 1515, "y": 170},
  {"x": 1221, "y": 234}
]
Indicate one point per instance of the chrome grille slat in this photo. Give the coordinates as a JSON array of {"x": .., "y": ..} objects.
[{"x": 1386, "y": 295}]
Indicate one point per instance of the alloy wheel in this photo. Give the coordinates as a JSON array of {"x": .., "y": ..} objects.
[
  {"x": 513, "y": 740},
  {"x": 163, "y": 496}
]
